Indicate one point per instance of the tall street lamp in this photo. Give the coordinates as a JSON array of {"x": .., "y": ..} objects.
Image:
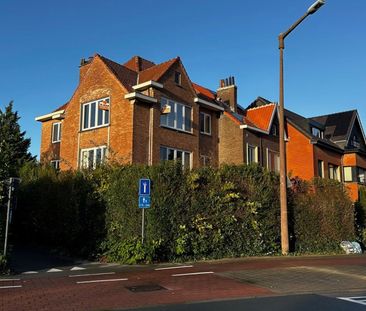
[{"x": 283, "y": 179}]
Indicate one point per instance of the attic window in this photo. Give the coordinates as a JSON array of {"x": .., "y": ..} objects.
[
  {"x": 178, "y": 78},
  {"x": 317, "y": 133},
  {"x": 355, "y": 143}
]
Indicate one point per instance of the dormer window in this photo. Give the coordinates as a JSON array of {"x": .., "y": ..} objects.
[
  {"x": 317, "y": 132},
  {"x": 178, "y": 78},
  {"x": 355, "y": 143}
]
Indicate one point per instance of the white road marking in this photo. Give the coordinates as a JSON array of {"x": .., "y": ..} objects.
[
  {"x": 30, "y": 272},
  {"x": 193, "y": 273},
  {"x": 90, "y": 274},
  {"x": 77, "y": 268},
  {"x": 173, "y": 267},
  {"x": 100, "y": 281},
  {"x": 360, "y": 300},
  {"x": 8, "y": 280},
  {"x": 14, "y": 286},
  {"x": 54, "y": 270}
]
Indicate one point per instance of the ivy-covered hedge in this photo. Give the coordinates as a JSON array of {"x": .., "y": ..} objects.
[
  {"x": 203, "y": 213},
  {"x": 322, "y": 216}
]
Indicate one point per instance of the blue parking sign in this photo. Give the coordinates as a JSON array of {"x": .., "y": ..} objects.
[
  {"x": 144, "y": 201},
  {"x": 144, "y": 186}
]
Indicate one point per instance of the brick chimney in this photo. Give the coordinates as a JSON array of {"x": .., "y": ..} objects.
[
  {"x": 227, "y": 93},
  {"x": 84, "y": 66}
]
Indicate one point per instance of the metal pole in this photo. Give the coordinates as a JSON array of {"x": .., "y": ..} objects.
[
  {"x": 143, "y": 225},
  {"x": 8, "y": 215},
  {"x": 283, "y": 173}
]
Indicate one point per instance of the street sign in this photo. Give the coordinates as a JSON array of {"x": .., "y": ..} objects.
[
  {"x": 144, "y": 186},
  {"x": 144, "y": 201}
]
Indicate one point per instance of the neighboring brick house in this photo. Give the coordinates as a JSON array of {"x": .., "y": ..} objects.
[
  {"x": 248, "y": 135},
  {"x": 120, "y": 112},
  {"x": 330, "y": 146}
]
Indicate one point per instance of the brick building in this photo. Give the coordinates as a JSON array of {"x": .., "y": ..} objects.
[
  {"x": 142, "y": 112},
  {"x": 120, "y": 112}
]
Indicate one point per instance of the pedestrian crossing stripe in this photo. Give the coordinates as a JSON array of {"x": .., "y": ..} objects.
[
  {"x": 54, "y": 270},
  {"x": 360, "y": 300},
  {"x": 77, "y": 268}
]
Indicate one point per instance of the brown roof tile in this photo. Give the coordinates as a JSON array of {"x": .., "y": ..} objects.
[
  {"x": 126, "y": 76},
  {"x": 137, "y": 63},
  {"x": 156, "y": 72}
]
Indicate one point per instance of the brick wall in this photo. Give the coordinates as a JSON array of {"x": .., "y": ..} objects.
[
  {"x": 231, "y": 138},
  {"x": 299, "y": 154},
  {"x": 328, "y": 157},
  {"x": 49, "y": 151}
]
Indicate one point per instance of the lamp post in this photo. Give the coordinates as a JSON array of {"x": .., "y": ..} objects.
[{"x": 283, "y": 179}]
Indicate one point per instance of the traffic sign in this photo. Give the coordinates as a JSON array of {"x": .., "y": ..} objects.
[
  {"x": 144, "y": 201},
  {"x": 144, "y": 186}
]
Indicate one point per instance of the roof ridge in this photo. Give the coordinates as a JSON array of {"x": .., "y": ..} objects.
[
  {"x": 270, "y": 104},
  {"x": 160, "y": 64},
  {"x": 105, "y": 58},
  {"x": 331, "y": 114}
]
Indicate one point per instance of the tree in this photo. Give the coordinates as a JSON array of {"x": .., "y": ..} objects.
[{"x": 13, "y": 144}]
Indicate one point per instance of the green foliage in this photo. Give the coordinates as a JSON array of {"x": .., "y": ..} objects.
[
  {"x": 323, "y": 216},
  {"x": 203, "y": 213},
  {"x": 61, "y": 210},
  {"x": 360, "y": 215},
  {"x": 13, "y": 145}
]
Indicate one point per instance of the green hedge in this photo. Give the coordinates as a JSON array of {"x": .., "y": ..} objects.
[
  {"x": 322, "y": 216},
  {"x": 198, "y": 214}
]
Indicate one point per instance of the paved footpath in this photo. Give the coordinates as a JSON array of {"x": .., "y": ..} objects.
[{"x": 117, "y": 287}]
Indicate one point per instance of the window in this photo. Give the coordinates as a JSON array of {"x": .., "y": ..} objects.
[
  {"x": 205, "y": 160},
  {"x": 360, "y": 175},
  {"x": 274, "y": 130},
  {"x": 347, "y": 173},
  {"x": 273, "y": 161},
  {"x": 95, "y": 114},
  {"x": 176, "y": 155},
  {"x": 205, "y": 123},
  {"x": 178, "y": 78},
  {"x": 355, "y": 142},
  {"x": 316, "y": 132},
  {"x": 92, "y": 157},
  {"x": 56, "y": 132},
  {"x": 321, "y": 168},
  {"x": 55, "y": 164},
  {"x": 252, "y": 154},
  {"x": 179, "y": 118},
  {"x": 333, "y": 171}
]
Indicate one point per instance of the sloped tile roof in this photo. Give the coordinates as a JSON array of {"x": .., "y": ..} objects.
[
  {"x": 261, "y": 116},
  {"x": 204, "y": 92},
  {"x": 137, "y": 63},
  {"x": 156, "y": 72},
  {"x": 337, "y": 125},
  {"x": 126, "y": 76}
]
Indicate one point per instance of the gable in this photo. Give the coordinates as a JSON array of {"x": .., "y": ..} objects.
[{"x": 356, "y": 138}]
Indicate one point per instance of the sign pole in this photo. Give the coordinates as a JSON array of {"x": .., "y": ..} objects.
[{"x": 143, "y": 225}]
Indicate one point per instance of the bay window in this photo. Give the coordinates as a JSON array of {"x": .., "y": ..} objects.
[
  {"x": 95, "y": 114},
  {"x": 179, "y": 118}
]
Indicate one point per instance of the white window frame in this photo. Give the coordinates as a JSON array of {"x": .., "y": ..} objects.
[
  {"x": 56, "y": 139},
  {"x": 88, "y": 127},
  {"x": 204, "y": 123},
  {"x": 347, "y": 172},
  {"x": 255, "y": 153},
  {"x": 333, "y": 172},
  {"x": 55, "y": 164},
  {"x": 361, "y": 177},
  {"x": 269, "y": 163},
  {"x": 317, "y": 132},
  {"x": 205, "y": 160},
  {"x": 85, "y": 164},
  {"x": 321, "y": 174},
  {"x": 184, "y": 152},
  {"x": 173, "y": 105}
]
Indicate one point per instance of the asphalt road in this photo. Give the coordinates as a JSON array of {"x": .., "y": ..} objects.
[
  {"x": 277, "y": 283},
  {"x": 287, "y": 303}
]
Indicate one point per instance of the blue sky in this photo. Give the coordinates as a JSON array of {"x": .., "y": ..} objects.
[{"x": 42, "y": 43}]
